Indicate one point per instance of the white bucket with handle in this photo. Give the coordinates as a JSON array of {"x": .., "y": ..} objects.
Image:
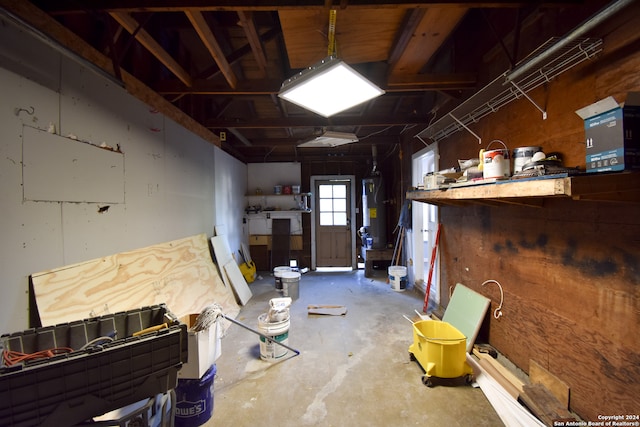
[{"x": 496, "y": 163}]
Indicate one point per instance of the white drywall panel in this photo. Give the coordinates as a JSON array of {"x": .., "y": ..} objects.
[
  {"x": 189, "y": 180},
  {"x": 230, "y": 187},
  {"x": 59, "y": 169},
  {"x": 106, "y": 224},
  {"x": 168, "y": 179},
  {"x": 88, "y": 102},
  {"x": 31, "y": 232},
  {"x": 265, "y": 175}
]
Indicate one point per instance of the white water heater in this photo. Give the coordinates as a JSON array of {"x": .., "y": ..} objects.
[{"x": 374, "y": 217}]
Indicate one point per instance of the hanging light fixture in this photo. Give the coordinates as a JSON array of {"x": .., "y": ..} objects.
[
  {"x": 330, "y": 86},
  {"x": 329, "y": 139}
]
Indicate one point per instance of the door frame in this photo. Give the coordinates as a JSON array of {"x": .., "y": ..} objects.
[
  {"x": 419, "y": 209},
  {"x": 352, "y": 219}
]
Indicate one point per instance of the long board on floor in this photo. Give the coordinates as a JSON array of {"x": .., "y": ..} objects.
[{"x": 180, "y": 274}]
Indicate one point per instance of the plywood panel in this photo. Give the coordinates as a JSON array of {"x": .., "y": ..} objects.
[
  {"x": 362, "y": 35},
  {"x": 434, "y": 28},
  {"x": 59, "y": 169},
  {"x": 179, "y": 273}
]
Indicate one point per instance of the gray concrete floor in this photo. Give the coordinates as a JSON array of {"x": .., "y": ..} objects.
[{"x": 353, "y": 370}]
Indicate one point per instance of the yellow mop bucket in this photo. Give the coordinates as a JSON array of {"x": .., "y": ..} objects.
[
  {"x": 440, "y": 349},
  {"x": 248, "y": 270}
]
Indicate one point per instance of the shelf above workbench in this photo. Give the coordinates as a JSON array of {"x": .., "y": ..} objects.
[{"x": 613, "y": 187}]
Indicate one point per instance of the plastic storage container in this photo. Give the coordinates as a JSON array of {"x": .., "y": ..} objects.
[
  {"x": 440, "y": 349},
  {"x": 69, "y": 388},
  {"x": 195, "y": 400}
]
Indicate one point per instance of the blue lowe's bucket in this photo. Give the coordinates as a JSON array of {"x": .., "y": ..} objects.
[{"x": 194, "y": 400}]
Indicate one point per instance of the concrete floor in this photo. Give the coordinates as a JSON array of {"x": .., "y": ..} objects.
[{"x": 353, "y": 370}]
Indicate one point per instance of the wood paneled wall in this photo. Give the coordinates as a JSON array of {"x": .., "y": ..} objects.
[{"x": 570, "y": 269}]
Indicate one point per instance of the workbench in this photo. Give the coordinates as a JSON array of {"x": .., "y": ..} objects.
[{"x": 370, "y": 255}]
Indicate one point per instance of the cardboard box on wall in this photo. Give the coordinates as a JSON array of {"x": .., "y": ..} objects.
[
  {"x": 204, "y": 349},
  {"x": 612, "y": 134}
]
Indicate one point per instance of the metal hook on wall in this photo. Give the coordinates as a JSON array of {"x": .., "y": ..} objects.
[
  {"x": 497, "y": 313},
  {"x": 29, "y": 111}
]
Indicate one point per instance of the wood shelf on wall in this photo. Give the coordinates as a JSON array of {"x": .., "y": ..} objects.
[{"x": 613, "y": 187}]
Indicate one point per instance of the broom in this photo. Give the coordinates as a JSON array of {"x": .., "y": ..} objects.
[{"x": 210, "y": 314}]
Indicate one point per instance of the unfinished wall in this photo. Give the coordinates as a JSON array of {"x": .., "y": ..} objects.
[
  {"x": 164, "y": 186},
  {"x": 569, "y": 269}
]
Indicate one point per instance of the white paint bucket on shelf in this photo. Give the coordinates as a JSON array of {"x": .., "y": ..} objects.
[
  {"x": 496, "y": 162},
  {"x": 276, "y": 332},
  {"x": 398, "y": 277}
]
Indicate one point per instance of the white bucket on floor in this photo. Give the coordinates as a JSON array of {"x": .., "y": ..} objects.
[
  {"x": 276, "y": 332},
  {"x": 277, "y": 273},
  {"x": 291, "y": 284},
  {"x": 398, "y": 277}
]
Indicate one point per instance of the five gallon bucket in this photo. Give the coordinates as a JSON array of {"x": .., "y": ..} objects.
[
  {"x": 277, "y": 273},
  {"x": 398, "y": 277},
  {"x": 496, "y": 163},
  {"x": 522, "y": 156},
  {"x": 276, "y": 332},
  {"x": 291, "y": 284},
  {"x": 194, "y": 400}
]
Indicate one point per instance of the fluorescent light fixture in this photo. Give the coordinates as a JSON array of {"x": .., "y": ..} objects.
[
  {"x": 330, "y": 139},
  {"x": 328, "y": 87}
]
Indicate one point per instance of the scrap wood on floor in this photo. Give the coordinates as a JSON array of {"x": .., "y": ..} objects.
[
  {"x": 329, "y": 310},
  {"x": 510, "y": 411},
  {"x": 544, "y": 405}
]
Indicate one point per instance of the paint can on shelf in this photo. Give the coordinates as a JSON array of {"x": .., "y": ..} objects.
[
  {"x": 276, "y": 332},
  {"x": 496, "y": 162},
  {"x": 522, "y": 156}
]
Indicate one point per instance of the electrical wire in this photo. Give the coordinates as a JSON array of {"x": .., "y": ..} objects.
[
  {"x": 497, "y": 313},
  {"x": 10, "y": 358},
  {"x": 97, "y": 341}
]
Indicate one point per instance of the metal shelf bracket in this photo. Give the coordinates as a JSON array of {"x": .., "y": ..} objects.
[
  {"x": 544, "y": 113},
  {"x": 466, "y": 128}
]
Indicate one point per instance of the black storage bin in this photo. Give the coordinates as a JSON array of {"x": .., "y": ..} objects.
[{"x": 69, "y": 388}]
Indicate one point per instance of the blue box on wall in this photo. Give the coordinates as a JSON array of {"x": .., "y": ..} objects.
[{"x": 612, "y": 134}]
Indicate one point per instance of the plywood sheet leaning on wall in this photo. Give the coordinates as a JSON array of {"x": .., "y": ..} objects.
[{"x": 179, "y": 273}]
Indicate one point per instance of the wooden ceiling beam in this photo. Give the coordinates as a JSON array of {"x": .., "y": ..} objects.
[
  {"x": 73, "y": 6},
  {"x": 249, "y": 27},
  {"x": 206, "y": 35},
  {"x": 316, "y": 122},
  {"x": 284, "y": 142},
  {"x": 417, "y": 83},
  {"x": 145, "y": 39}
]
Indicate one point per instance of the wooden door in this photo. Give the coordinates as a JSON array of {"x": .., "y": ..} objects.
[{"x": 333, "y": 223}]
